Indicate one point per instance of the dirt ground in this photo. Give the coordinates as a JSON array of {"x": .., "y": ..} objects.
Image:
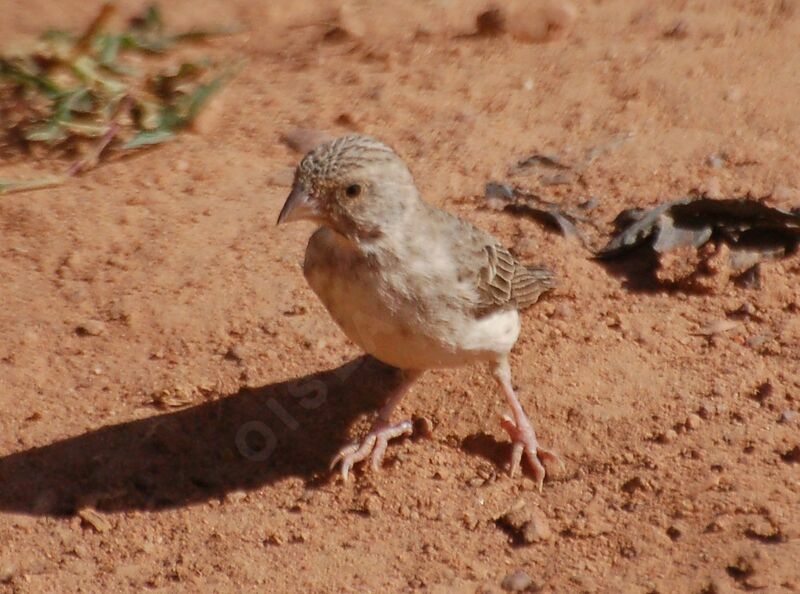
[{"x": 172, "y": 391}]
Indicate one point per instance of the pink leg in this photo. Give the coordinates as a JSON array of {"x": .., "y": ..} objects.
[
  {"x": 376, "y": 441},
  {"x": 520, "y": 430}
]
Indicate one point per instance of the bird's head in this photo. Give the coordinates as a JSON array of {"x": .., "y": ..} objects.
[{"x": 355, "y": 184}]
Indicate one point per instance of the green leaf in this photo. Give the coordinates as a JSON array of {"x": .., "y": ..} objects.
[
  {"x": 88, "y": 129},
  {"x": 203, "y": 34},
  {"x": 190, "y": 105},
  {"x": 106, "y": 46},
  {"x": 51, "y": 132},
  {"x": 8, "y": 186},
  {"x": 28, "y": 77},
  {"x": 149, "y": 137},
  {"x": 87, "y": 69},
  {"x": 152, "y": 19},
  {"x": 165, "y": 85}
]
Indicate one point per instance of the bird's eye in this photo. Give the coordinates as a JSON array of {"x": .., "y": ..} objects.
[{"x": 352, "y": 190}]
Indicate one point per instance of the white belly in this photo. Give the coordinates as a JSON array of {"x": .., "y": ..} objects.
[{"x": 394, "y": 329}]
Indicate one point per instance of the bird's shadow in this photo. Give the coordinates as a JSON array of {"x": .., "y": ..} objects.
[{"x": 239, "y": 442}]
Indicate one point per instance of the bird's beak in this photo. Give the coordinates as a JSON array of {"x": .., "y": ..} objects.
[{"x": 299, "y": 206}]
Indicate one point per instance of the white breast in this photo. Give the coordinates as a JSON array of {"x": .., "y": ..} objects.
[{"x": 377, "y": 312}]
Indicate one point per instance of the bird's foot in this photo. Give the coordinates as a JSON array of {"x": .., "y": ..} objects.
[
  {"x": 373, "y": 444},
  {"x": 525, "y": 442}
]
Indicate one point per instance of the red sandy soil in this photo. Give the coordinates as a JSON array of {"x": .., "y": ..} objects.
[{"x": 162, "y": 279}]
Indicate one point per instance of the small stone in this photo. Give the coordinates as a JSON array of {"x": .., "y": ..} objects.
[
  {"x": 563, "y": 311},
  {"x": 765, "y": 531},
  {"x": 490, "y": 22},
  {"x": 715, "y": 161},
  {"x": 713, "y": 187},
  {"x": 235, "y": 496},
  {"x": 763, "y": 391},
  {"x": 785, "y": 194},
  {"x": 92, "y": 518},
  {"x": 517, "y": 581},
  {"x": 693, "y": 421},
  {"x": 792, "y": 456},
  {"x": 423, "y": 427},
  {"x": 235, "y": 353},
  {"x": 675, "y": 531},
  {"x": 541, "y": 21},
  {"x": 668, "y": 436},
  {"x": 634, "y": 484},
  {"x": 372, "y": 505},
  {"x": 274, "y": 539},
  {"x": 717, "y": 327},
  {"x": 352, "y": 20},
  {"x": 787, "y": 417},
  {"x": 303, "y": 140},
  {"x": 759, "y": 340},
  {"x": 7, "y": 571},
  {"x": 537, "y": 529},
  {"x": 526, "y": 524},
  {"x": 91, "y": 328}
]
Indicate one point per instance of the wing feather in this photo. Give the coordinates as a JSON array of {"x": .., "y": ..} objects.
[{"x": 505, "y": 282}]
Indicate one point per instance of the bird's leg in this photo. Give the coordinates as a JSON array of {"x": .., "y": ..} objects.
[
  {"x": 376, "y": 441},
  {"x": 520, "y": 430}
]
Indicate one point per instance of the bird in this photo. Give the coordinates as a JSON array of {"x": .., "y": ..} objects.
[{"x": 414, "y": 286}]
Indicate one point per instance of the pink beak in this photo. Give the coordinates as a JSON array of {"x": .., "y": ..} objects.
[{"x": 299, "y": 206}]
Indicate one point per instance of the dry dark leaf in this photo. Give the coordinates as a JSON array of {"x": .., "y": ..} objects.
[{"x": 763, "y": 231}]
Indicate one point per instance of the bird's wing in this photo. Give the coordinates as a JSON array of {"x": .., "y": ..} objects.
[
  {"x": 498, "y": 279},
  {"x": 503, "y": 281}
]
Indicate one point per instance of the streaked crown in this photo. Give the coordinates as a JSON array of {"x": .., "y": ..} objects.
[{"x": 336, "y": 158}]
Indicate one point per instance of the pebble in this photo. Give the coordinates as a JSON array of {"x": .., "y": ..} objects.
[
  {"x": 372, "y": 505},
  {"x": 6, "y": 572},
  {"x": 715, "y": 161},
  {"x": 787, "y": 416},
  {"x": 235, "y": 353},
  {"x": 423, "y": 427},
  {"x": 675, "y": 531},
  {"x": 95, "y": 520},
  {"x": 352, "y": 20},
  {"x": 713, "y": 187},
  {"x": 717, "y": 327},
  {"x": 693, "y": 421},
  {"x": 91, "y": 328},
  {"x": 235, "y": 496},
  {"x": 517, "y": 581},
  {"x": 302, "y": 140},
  {"x": 668, "y": 436},
  {"x": 782, "y": 193},
  {"x": 634, "y": 484},
  {"x": 527, "y": 524},
  {"x": 536, "y": 22},
  {"x": 792, "y": 456}
]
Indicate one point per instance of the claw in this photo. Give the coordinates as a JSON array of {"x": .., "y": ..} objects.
[
  {"x": 525, "y": 443},
  {"x": 374, "y": 445}
]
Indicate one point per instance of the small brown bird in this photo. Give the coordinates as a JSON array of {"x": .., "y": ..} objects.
[{"x": 413, "y": 286}]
